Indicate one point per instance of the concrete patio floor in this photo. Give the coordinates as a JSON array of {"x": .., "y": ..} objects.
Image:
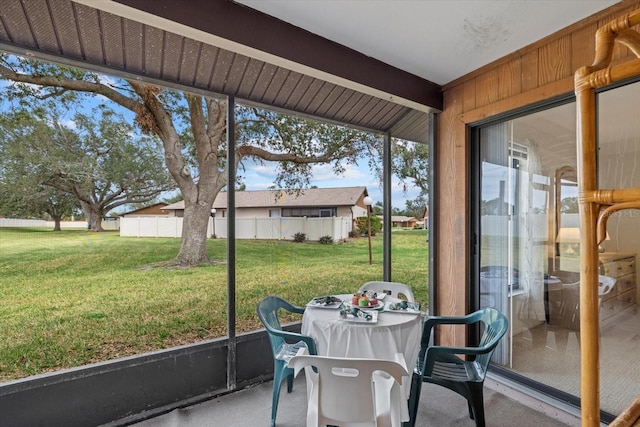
[{"x": 438, "y": 407}]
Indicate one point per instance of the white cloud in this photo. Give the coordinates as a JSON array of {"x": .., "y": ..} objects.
[
  {"x": 69, "y": 124},
  {"x": 255, "y": 172},
  {"x": 107, "y": 80},
  {"x": 36, "y": 88},
  {"x": 324, "y": 172},
  {"x": 323, "y": 175},
  {"x": 261, "y": 177},
  {"x": 257, "y": 186}
]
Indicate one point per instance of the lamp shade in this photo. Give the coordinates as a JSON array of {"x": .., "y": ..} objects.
[
  {"x": 572, "y": 235},
  {"x": 569, "y": 235}
]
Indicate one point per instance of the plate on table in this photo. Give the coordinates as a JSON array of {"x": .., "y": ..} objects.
[
  {"x": 377, "y": 306},
  {"x": 399, "y": 307},
  {"x": 328, "y": 301},
  {"x": 350, "y": 317}
]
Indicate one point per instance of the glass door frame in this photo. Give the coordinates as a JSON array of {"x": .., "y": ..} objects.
[{"x": 475, "y": 186}]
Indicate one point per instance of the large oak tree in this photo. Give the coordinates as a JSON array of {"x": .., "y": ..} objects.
[
  {"x": 96, "y": 159},
  {"x": 192, "y": 129},
  {"x": 22, "y": 199}
]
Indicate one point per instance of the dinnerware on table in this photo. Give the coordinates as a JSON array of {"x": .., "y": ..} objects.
[
  {"x": 328, "y": 301},
  {"x": 402, "y": 307},
  {"x": 367, "y": 300},
  {"x": 356, "y": 314}
]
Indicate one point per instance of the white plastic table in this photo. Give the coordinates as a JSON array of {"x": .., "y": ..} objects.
[{"x": 392, "y": 333}]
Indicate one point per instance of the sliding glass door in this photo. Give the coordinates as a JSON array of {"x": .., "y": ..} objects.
[
  {"x": 529, "y": 246},
  {"x": 527, "y": 182}
]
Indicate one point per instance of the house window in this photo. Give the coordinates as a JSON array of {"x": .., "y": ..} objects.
[
  {"x": 274, "y": 213},
  {"x": 309, "y": 212}
]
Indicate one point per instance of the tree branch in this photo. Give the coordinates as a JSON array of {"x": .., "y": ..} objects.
[
  {"x": 248, "y": 150},
  {"x": 77, "y": 85}
]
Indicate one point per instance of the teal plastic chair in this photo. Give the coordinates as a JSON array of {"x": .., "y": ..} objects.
[
  {"x": 443, "y": 365},
  {"x": 284, "y": 345}
]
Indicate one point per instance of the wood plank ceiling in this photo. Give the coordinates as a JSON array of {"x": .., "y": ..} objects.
[{"x": 78, "y": 34}]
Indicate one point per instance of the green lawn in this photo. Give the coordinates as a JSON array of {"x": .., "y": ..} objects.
[{"x": 74, "y": 297}]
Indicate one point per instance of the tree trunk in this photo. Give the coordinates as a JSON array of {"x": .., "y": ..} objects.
[
  {"x": 95, "y": 222},
  {"x": 94, "y": 219},
  {"x": 193, "y": 247},
  {"x": 56, "y": 223}
]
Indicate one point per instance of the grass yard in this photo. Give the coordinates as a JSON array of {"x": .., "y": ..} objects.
[{"x": 73, "y": 297}]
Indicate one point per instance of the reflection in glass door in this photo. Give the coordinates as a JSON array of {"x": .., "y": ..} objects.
[{"x": 619, "y": 167}]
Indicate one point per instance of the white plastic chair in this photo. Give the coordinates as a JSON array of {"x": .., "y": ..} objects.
[
  {"x": 394, "y": 289},
  {"x": 571, "y": 315},
  {"x": 605, "y": 285},
  {"x": 352, "y": 392}
]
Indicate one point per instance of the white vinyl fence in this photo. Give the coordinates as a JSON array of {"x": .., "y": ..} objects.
[
  {"x": 16, "y": 222},
  {"x": 68, "y": 224},
  {"x": 159, "y": 226},
  {"x": 246, "y": 228}
]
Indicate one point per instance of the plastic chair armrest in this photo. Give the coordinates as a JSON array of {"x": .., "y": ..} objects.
[
  {"x": 431, "y": 321},
  {"x": 294, "y": 336},
  {"x": 297, "y": 367},
  {"x": 296, "y": 309},
  {"x": 399, "y": 359}
]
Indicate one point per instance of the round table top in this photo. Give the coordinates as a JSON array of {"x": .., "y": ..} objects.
[
  {"x": 393, "y": 332},
  {"x": 390, "y": 334}
]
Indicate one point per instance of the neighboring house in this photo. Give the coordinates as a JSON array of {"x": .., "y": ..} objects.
[
  {"x": 401, "y": 221},
  {"x": 153, "y": 210},
  {"x": 268, "y": 214},
  {"x": 344, "y": 202}
]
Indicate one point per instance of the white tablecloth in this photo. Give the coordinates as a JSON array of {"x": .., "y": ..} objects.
[{"x": 392, "y": 333}]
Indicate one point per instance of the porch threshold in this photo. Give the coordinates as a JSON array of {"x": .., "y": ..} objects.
[
  {"x": 438, "y": 407},
  {"x": 562, "y": 412}
]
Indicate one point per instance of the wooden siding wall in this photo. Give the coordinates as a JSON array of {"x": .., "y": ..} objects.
[{"x": 538, "y": 72}]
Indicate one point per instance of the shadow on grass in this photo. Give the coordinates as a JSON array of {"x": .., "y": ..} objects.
[{"x": 173, "y": 265}]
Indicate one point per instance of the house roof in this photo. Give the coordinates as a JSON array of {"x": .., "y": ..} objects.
[
  {"x": 144, "y": 208},
  {"x": 341, "y": 196},
  {"x": 400, "y": 218}
]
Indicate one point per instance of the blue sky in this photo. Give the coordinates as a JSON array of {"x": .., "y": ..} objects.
[{"x": 261, "y": 177}]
